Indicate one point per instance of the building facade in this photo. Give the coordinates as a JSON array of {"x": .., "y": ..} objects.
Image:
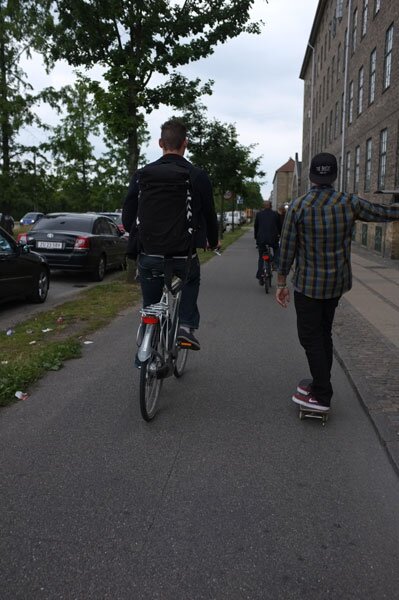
[
  {"x": 351, "y": 105},
  {"x": 282, "y": 184}
]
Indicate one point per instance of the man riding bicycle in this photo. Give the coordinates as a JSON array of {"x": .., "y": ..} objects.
[
  {"x": 204, "y": 229},
  {"x": 267, "y": 229}
]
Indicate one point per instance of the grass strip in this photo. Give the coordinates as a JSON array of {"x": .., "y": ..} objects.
[{"x": 44, "y": 342}]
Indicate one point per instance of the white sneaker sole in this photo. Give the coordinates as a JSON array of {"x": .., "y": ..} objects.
[{"x": 314, "y": 407}]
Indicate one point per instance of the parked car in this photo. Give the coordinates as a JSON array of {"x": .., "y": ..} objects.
[
  {"x": 78, "y": 242},
  {"x": 22, "y": 273},
  {"x": 116, "y": 217},
  {"x": 30, "y": 218},
  {"x": 7, "y": 222}
]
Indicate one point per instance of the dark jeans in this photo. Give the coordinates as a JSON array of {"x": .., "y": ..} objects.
[
  {"x": 314, "y": 321},
  {"x": 261, "y": 250},
  {"x": 151, "y": 271}
]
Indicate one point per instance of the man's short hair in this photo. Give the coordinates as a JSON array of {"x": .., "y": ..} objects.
[{"x": 173, "y": 134}]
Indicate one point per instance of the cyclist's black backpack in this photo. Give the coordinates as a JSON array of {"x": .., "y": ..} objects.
[{"x": 165, "y": 213}]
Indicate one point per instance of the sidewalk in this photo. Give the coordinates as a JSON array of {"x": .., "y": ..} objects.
[{"x": 366, "y": 342}]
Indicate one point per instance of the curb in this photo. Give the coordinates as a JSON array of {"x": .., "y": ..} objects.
[{"x": 387, "y": 434}]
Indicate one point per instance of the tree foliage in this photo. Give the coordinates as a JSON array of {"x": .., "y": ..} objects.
[
  {"x": 141, "y": 45},
  {"x": 21, "y": 28}
]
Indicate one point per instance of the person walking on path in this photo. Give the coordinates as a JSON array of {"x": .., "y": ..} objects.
[
  {"x": 317, "y": 234},
  {"x": 267, "y": 229},
  {"x": 180, "y": 250}
]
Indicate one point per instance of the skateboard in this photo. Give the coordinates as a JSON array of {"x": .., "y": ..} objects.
[{"x": 305, "y": 413}]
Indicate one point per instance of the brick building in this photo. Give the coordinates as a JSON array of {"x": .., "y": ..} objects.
[
  {"x": 282, "y": 184},
  {"x": 351, "y": 105}
]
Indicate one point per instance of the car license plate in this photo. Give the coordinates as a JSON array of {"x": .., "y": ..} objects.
[{"x": 50, "y": 245}]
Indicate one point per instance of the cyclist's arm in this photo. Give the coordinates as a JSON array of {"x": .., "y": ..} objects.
[{"x": 129, "y": 209}]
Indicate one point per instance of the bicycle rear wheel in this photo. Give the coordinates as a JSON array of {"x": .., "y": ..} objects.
[
  {"x": 266, "y": 280},
  {"x": 150, "y": 384},
  {"x": 180, "y": 363}
]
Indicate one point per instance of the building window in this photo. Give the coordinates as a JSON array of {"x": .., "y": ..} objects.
[
  {"x": 373, "y": 63},
  {"x": 332, "y": 73},
  {"x": 378, "y": 238},
  {"x": 382, "y": 164},
  {"x": 350, "y": 103},
  {"x": 360, "y": 88},
  {"x": 377, "y": 6},
  {"x": 328, "y": 83},
  {"x": 354, "y": 30},
  {"x": 322, "y": 137},
  {"x": 356, "y": 171},
  {"x": 367, "y": 168},
  {"x": 365, "y": 16},
  {"x": 330, "y": 128},
  {"x": 342, "y": 113},
  {"x": 336, "y": 119},
  {"x": 348, "y": 171},
  {"x": 388, "y": 57},
  {"x": 324, "y": 90},
  {"x": 345, "y": 51},
  {"x": 364, "y": 234},
  {"x": 338, "y": 60}
]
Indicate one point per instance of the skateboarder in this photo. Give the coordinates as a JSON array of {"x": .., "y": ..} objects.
[{"x": 317, "y": 234}]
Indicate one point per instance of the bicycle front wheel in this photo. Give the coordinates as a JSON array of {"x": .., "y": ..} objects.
[
  {"x": 180, "y": 363},
  {"x": 150, "y": 387}
]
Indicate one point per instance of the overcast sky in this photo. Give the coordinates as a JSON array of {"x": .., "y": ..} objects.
[{"x": 257, "y": 85}]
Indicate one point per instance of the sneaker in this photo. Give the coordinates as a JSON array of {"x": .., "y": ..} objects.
[
  {"x": 137, "y": 362},
  {"x": 187, "y": 340},
  {"x": 304, "y": 387},
  {"x": 309, "y": 402},
  {"x": 260, "y": 281}
]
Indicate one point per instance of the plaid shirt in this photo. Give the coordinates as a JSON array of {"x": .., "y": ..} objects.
[{"x": 317, "y": 232}]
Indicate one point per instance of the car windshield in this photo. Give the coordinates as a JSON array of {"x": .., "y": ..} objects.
[
  {"x": 64, "y": 223},
  {"x": 30, "y": 215}
]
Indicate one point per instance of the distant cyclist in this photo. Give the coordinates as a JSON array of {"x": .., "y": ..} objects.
[
  {"x": 166, "y": 237},
  {"x": 267, "y": 229}
]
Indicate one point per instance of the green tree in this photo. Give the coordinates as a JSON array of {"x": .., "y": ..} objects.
[
  {"x": 214, "y": 146},
  {"x": 72, "y": 146},
  {"x": 21, "y": 28},
  {"x": 141, "y": 45}
]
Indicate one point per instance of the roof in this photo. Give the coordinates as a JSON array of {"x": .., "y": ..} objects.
[{"x": 288, "y": 167}]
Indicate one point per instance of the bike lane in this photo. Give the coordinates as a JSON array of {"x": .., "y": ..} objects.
[{"x": 225, "y": 495}]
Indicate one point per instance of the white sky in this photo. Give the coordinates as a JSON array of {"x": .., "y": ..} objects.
[{"x": 257, "y": 85}]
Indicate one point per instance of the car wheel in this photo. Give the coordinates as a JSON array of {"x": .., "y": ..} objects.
[
  {"x": 41, "y": 286},
  {"x": 98, "y": 274}
]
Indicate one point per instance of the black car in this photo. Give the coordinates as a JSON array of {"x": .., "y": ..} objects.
[
  {"x": 78, "y": 242},
  {"x": 22, "y": 273}
]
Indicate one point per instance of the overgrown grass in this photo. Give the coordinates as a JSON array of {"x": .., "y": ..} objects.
[{"x": 45, "y": 342}]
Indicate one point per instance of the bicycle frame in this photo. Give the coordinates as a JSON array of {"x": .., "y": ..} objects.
[{"x": 165, "y": 315}]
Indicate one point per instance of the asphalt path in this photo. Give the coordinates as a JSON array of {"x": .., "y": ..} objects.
[{"x": 226, "y": 495}]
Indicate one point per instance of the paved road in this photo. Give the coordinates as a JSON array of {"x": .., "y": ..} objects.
[{"x": 225, "y": 496}]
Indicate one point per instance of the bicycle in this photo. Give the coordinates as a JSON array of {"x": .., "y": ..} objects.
[
  {"x": 267, "y": 274},
  {"x": 159, "y": 352}
]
